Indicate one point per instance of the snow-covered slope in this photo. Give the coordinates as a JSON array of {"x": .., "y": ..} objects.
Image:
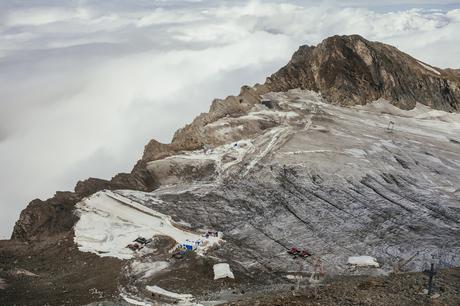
[
  {"x": 368, "y": 181},
  {"x": 109, "y": 222},
  {"x": 335, "y": 180}
]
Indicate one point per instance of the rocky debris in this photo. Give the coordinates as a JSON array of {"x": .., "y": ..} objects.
[
  {"x": 66, "y": 276},
  {"x": 176, "y": 170},
  {"x": 452, "y": 74},
  {"x": 3, "y": 284},
  {"x": 350, "y": 70},
  {"x": 396, "y": 289}
]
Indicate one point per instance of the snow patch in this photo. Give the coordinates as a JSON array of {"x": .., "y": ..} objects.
[
  {"x": 133, "y": 301},
  {"x": 290, "y": 276},
  {"x": 222, "y": 270},
  {"x": 24, "y": 272},
  {"x": 307, "y": 151},
  {"x": 363, "y": 261},
  {"x": 184, "y": 299},
  {"x": 269, "y": 114},
  {"x": 429, "y": 68},
  {"x": 279, "y": 114},
  {"x": 147, "y": 269}
]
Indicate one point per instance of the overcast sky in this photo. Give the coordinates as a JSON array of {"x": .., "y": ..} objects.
[{"x": 85, "y": 84}]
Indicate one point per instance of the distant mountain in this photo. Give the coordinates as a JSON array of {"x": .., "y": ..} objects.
[{"x": 350, "y": 149}]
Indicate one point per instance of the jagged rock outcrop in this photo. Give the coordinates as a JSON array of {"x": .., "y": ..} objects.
[
  {"x": 155, "y": 150},
  {"x": 193, "y": 135},
  {"x": 41, "y": 219},
  {"x": 45, "y": 218},
  {"x": 350, "y": 70}
]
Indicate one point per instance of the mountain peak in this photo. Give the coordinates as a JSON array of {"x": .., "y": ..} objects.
[{"x": 350, "y": 70}]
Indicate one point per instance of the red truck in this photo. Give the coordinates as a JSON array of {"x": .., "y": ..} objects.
[{"x": 296, "y": 252}]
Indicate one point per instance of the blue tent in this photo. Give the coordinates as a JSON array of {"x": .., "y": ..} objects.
[{"x": 189, "y": 246}]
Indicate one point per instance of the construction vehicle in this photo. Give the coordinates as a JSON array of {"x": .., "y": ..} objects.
[
  {"x": 142, "y": 240},
  {"x": 138, "y": 243},
  {"x": 180, "y": 252},
  {"x": 296, "y": 252}
]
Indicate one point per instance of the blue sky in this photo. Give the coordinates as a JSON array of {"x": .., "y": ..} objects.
[{"x": 85, "y": 84}]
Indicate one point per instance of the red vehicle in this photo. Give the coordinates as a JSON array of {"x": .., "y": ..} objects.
[
  {"x": 138, "y": 244},
  {"x": 134, "y": 246},
  {"x": 295, "y": 252}
]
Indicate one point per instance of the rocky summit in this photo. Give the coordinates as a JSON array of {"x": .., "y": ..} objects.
[{"x": 337, "y": 180}]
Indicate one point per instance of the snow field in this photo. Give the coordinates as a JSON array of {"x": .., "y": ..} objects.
[
  {"x": 109, "y": 222},
  {"x": 363, "y": 261}
]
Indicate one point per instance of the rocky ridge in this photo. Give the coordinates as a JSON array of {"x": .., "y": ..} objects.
[{"x": 346, "y": 70}]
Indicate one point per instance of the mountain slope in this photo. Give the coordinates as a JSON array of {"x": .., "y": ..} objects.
[
  {"x": 277, "y": 166},
  {"x": 347, "y": 70}
]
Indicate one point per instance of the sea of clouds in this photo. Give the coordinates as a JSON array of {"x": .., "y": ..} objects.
[{"x": 85, "y": 84}]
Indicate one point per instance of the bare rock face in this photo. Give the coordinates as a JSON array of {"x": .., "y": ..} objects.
[
  {"x": 45, "y": 218},
  {"x": 350, "y": 70},
  {"x": 193, "y": 136},
  {"x": 176, "y": 170},
  {"x": 155, "y": 150}
]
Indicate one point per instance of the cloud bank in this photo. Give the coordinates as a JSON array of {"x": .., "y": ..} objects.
[{"x": 84, "y": 85}]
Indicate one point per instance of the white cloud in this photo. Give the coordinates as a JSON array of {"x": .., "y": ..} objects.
[{"x": 85, "y": 84}]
